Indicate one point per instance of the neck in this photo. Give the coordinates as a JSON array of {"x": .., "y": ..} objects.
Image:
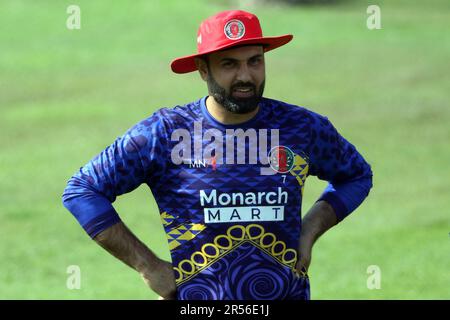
[{"x": 224, "y": 116}]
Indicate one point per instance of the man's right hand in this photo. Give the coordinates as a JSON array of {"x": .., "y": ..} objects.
[
  {"x": 161, "y": 280},
  {"x": 125, "y": 246}
]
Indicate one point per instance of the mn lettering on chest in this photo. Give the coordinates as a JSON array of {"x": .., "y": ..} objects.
[{"x": 198, "y": 163}]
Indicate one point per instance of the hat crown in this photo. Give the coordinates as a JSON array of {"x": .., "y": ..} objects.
[
  {"x": 226, "y": 27},
  {"x": 226, "y": 30}
]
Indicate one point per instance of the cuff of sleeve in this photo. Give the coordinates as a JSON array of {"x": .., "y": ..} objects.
[
  {"x": 339, "y": 207},
  {"x": 102, "y": 222}
]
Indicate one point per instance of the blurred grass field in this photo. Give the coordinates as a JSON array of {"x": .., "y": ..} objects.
[{"x": 67, "y": 94}]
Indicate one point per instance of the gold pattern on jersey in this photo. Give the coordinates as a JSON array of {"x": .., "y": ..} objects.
[
  {"x": 225, "y": 243},
  {"x": 181, "y": 233},
  {"x": 300, "y": 170}
]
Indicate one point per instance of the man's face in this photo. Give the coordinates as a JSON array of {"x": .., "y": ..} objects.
[{"x": 236, "y": 78}]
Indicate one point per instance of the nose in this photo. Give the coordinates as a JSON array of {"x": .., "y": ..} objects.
[{"x": 243, "y": 73}]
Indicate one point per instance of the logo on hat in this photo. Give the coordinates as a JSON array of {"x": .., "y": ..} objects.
[
  {"x": 234, "y": 29},
  {"x": 225, "y": 30}
]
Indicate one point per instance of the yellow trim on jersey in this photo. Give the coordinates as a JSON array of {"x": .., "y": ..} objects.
[
  {"x": 182, "y": 233},
  {"x": 212, "y": 252},
  {"x": 300, "y": 170}
]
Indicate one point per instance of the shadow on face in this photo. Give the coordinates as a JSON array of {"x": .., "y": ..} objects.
[
  {"x": 244, "y": 63},
  {"x": 235, "y": 77}
]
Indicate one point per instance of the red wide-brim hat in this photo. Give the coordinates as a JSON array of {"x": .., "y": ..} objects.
[{"x": 226, "y": 30}]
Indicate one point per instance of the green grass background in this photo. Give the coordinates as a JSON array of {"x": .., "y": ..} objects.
[{"x": 65, "y": 95}]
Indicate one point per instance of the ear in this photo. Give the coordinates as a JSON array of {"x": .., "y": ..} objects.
[{"x": 202, "y": 68}]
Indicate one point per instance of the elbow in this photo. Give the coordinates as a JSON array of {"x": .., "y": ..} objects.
[
  {"x": 68, "y": 194},
  {"x": 67, "y": 202},
  {"x": 370, "y": 185},
  {"x": 364, "y": 184},
  {"x": 65, "y": 198},
  {"x": 93, "y": 211},
  {"x": 368, "y": 180},
  {"x": 65, "y": 195},
  {"x": 364, "y": 179}
]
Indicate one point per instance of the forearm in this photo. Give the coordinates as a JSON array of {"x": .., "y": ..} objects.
[
  {"x": 317, "y": 221},
  {"x": 125, "y": 246}
]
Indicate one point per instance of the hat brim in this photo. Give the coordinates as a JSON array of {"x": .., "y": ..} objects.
[{"x": 187, "y": 63}]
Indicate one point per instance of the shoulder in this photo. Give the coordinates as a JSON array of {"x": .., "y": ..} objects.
[
  {"x": 295, "y": 113},
  {"x": 166, "y": 118},
  {"x": 180, "y": 114}
]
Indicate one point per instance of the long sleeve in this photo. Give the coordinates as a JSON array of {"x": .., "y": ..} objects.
[
  {"x": 137, "y": 157},
  {"x": 334, "y": 159}
]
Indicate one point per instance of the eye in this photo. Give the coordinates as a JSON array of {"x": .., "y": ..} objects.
[
  {"x": 228, "y": 64},
  {"x": 255, "y": 61}
]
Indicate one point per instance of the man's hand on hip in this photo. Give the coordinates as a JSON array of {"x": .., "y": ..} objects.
[
  {"x": 317, "y": 221},
  {"x": 125, "y": 246},
  {"x": 161, "y": 280}
]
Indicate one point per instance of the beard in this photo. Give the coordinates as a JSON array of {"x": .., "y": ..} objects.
[{"x": 233, "y": 104}]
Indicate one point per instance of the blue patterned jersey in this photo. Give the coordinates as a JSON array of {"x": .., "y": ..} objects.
[{"x": 229, "y": 196}]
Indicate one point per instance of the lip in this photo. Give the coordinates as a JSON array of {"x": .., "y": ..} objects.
[{"x": 244, "y": 93}]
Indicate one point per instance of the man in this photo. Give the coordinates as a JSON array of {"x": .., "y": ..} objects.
[{"x": 227, "y": 172}]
